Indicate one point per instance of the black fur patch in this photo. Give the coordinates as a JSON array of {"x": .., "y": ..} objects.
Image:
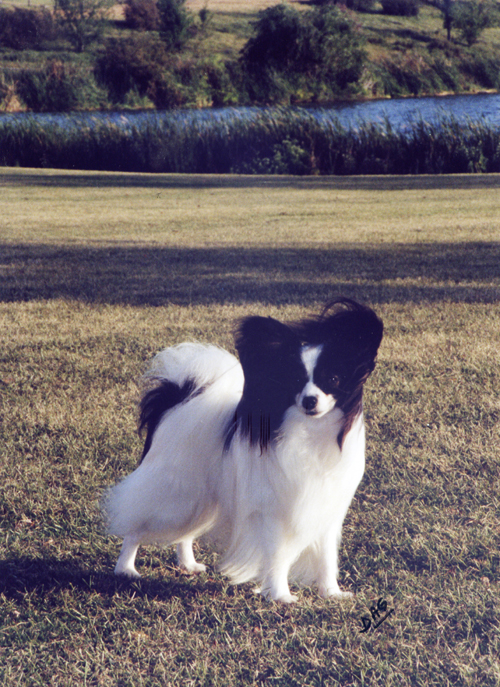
[
  {"x": 269, "y": 353},
  {"x": 157, "y": 401}
]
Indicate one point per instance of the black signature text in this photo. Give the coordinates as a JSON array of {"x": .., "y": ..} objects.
[{"x": 377, "y": 617}]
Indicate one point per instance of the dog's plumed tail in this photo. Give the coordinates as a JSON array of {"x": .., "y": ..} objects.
[{"x": 169, "y": 496}]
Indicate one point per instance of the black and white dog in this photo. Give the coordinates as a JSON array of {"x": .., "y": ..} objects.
[{"x": 265, "y": 453}]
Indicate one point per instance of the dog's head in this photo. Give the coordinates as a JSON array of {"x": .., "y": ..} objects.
[
  {"x": 317, "y": 364},
  {"x": 339, "y": 352}
]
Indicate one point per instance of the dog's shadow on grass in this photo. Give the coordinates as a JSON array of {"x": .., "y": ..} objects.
[{"x": 24, "y": 576}]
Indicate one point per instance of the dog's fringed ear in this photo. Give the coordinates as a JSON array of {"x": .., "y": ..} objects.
[
  {"x": 365, "y": 330},
  {"x": 263, "y": 338},
  {"x": 355, "y": 324},
  {"x": 269, "y": 353}
]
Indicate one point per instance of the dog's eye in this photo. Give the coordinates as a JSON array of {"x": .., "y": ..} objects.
[{"x": 334, "y": 381}]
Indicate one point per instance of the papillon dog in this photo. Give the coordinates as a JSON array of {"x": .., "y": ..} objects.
[{"x": 264, "y": 453}]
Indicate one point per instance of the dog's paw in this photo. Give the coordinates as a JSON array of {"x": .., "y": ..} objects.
[
  {"x": 283, "y": 597},
  {"x": 330, "y": 593},
  {"x": 128, "y": 573},
  {"x": 286, "y": 599},
  {"x": 193, "y": 568}
]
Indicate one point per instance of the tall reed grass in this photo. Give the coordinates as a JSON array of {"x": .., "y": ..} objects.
[{"x": 274, "y": 140}]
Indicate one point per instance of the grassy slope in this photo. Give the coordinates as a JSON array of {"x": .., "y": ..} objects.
[
  {"x": 398, "y": 48},
  {"x": 100, "y": 271},
  {"x": 411, "y": 43}
]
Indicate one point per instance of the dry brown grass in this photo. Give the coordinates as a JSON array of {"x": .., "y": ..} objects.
[
  {"x": 100, "y": 271},
  {"x": 237, "y": 210},
  {"x": 235, "y": 6}
]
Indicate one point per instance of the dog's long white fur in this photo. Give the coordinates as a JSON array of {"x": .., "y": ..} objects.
[{"x": 274, "y": 512}]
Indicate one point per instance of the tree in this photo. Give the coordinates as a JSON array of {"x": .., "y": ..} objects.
[
  {"x": 277, "y": 43},
  {"x": 137, "y": 62},
  {"x": 334, "y": 47},
  {"x": 471, "y": 17},
  {"x": 401, "y": 8},
  {"x": 174, "y": 22},
  {"x": 445, "y": 7},
  {"x": 81, "y": 21}
]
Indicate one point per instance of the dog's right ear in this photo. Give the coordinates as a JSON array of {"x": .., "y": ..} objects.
[
  {"x": 269, "y": 353},
  {"x": 264, "y": 338}
]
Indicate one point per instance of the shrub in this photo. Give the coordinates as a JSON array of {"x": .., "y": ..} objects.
[
  {"x": 356, "y": 5},
  {"x": 484, "y": 69},
  {"x": 133, "y": 63},
  {"x": 448, "y": 73},
  {"x": 56, "y": 87},
  {"x": 287, "y": 157},
  {"x": 23, "y": 29},
  {"x": 411, "y": 74},
  {"x": 174, "y": 22},
  {"x": 142, "y": 15},
  {"x": 401, "y": 8},
  {"x": 221, "y": 82},
  {"x": 81, "y": 22},
  {"x": 471, "y": 17},
  {"x": 141, "y": 67},
  {"x": 298, "y": 52}
]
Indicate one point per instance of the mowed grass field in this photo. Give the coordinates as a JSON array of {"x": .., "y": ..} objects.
[{"x": 100, "y": 271}]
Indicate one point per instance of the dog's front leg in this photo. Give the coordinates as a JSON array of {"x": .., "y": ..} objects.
[
  {"x": 275, "y": 586},
  {"x": 277, "y": 562},
  {"x": 328, "y": 569}
]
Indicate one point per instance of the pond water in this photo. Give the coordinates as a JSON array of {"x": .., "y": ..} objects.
[
  {"x": 400, "y": 113},
  {"x": 404, "y": 112}
]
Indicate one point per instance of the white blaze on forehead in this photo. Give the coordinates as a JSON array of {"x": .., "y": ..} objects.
[
  {"x": 324, "y": 402},
  {"x": 310, "y": 355}
]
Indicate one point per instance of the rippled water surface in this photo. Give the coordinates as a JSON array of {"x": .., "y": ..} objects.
[
  {"x": 403, "y": 112},
  {"x": 400, "y": 113}
]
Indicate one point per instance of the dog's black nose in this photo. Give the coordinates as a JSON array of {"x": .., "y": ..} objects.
[{"x": 309, "y": 403}]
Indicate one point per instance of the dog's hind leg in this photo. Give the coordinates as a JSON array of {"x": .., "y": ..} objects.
[
  {"x": 185, "y": 557},
  {"x": 125, "y": 563}
]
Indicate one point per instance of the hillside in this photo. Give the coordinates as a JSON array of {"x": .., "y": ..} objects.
[{"x": 402, "y": 55}]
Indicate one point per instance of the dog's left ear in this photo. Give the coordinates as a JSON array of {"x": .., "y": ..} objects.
[{"x": 370, "y": 330}]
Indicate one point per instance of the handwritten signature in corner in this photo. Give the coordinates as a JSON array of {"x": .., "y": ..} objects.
[{"x": 376, "y": 612}]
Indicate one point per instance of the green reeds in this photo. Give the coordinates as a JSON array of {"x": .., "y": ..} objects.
[{"x": 283, "y": 141}]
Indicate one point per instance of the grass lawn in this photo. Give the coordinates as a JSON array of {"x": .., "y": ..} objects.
[{"x": 100, "y": 271}]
